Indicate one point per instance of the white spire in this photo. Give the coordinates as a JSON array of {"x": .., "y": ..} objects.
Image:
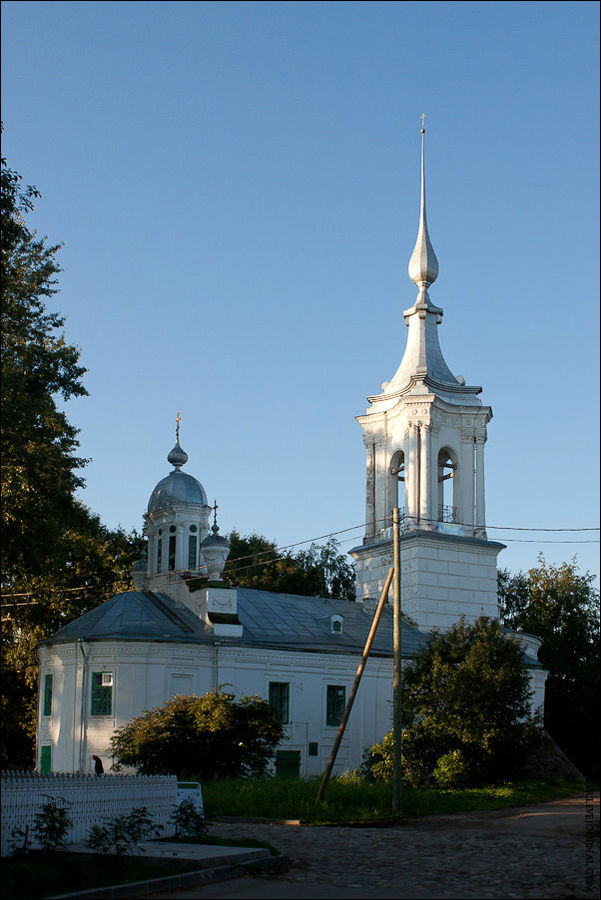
[{"x": 423, "y": 265}]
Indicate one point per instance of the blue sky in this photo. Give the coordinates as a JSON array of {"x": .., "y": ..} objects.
[{"x": 236, "y": 186}]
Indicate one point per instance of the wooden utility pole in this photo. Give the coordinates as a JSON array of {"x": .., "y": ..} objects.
[
  {"x": 397, "y": 699},
  {"x": 354, "y": 689}
]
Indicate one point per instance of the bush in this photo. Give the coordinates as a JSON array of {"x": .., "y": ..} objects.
[
  {"x": 212, "y": 736},
  {"x": 187, "y": 820},
  {"x": 451, "y": 771},
  {"x": 123, "y": 834},
  {"x": 466, "y": 705}
]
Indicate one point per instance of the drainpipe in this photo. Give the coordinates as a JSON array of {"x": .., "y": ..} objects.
[
  {"x": 83, "y": 705},
  {"x": 39, "y": 713}
]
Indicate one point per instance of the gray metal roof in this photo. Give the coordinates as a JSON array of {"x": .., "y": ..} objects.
[
  {"x": 279, "y": 621},
  {"x": 285, "y": 621},
  {"x": 177, "y": 489}
]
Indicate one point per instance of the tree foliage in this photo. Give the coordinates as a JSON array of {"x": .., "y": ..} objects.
[
  {"x": 212, "y": 736},
  {"x": 319, "y": 571},
  {"x": 466, "y": 709},
  {"x": 560, "y": 605},
  {"x": 58, "y": 559}
]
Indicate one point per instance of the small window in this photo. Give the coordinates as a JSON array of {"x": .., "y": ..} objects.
[
  {"x": 172, "y": 553},
  {"x": 313, "y": 748},
  {"x": 102, "y": 693},
  {"x": 47, "y": 696},
  {"x": 172, "y": 529},
  {"x": 336, "y": 624},
  {"x": 193, "y": 528},
  {"x": 159, "y": 554},
  {"x": 279, "y": 700},
  {"x": 192, "y": 551},
  {"x": 336, "y": 703},
  {"x": 45, "y": 760}
]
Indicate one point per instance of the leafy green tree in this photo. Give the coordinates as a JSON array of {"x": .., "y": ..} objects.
[
  {"x": 58, "y": 559},
  {"x": 212, "y": 736},
  {"x": 560, "y": 605},
  {"x": 320, "y": 571},
  {"x": 466, "y": 705}
]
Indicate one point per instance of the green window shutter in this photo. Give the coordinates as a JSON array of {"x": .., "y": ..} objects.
[
  {"x": 279, "y": 700},
  {"x": 102, "y": 695},
  {"x": 336, "y": 703},
  {"x": 45, "y": 760},
  {"x": 47, "y": 709}
]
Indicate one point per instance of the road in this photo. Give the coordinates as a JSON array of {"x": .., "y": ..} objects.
[{"x": 539, "y": 851}]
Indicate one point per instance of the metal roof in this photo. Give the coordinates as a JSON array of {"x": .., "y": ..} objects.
[
  {"x": 279, "y": 621},
  {"x": 284, "y": 621}
]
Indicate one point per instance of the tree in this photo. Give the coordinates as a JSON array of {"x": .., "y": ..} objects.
[
  {"x": 212, "y": 736},
  {"x": 466, "y": 705},
  {"x": 561, "y": 606},
  {"x": 58, "y": 559},
  {"x": 320, "y": 571}
]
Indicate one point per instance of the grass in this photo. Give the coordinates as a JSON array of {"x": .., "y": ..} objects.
[
  {"x": 350, "y": 799},
  {"x": 41, "y": 874}
]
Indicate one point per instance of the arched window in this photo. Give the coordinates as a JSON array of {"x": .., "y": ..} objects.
[
  {"x": 396, "y": 482},
  {"x": 447, "y": 472}
]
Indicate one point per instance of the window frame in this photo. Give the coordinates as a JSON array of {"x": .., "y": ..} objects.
[
  {"x": 282, "y": 699},
  {"x": 99, "y": 695},
  {"x": 47, "y": 696},
  {"x": 335, "y": 706}
]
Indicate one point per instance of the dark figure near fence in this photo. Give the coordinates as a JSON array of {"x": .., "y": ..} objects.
[{"x": 98, "y": 767}]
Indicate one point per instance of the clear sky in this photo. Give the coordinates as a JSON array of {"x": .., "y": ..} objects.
[{"x": 236, "y": 186}]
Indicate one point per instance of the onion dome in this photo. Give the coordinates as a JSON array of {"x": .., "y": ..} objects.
[
  {"x": 177, "y": 457},
  {"x": 178, "y": 488}
]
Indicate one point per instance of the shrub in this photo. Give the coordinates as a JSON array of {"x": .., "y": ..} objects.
[
  {"x": 51, "y": 824},
  {"x": 451, "y": 771},
  {"x": 123, "y": 834},
  {"x": 187, "y": 820},
  {"x": 212, "y": 736},
  {"x": 466, "y": 705}
]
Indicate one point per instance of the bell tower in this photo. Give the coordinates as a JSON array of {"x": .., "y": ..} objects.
[{"x": 424, "y": 438}]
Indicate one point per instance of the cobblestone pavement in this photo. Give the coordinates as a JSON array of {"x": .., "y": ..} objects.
[{"x": 539, "y": 851}]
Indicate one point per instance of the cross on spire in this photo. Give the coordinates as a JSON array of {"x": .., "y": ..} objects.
[
  {"x": 422, "y": 117},
  {"x": 178, "y": 419}
]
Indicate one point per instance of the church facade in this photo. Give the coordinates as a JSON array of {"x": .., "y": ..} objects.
[{"x": 182, "y": 631}]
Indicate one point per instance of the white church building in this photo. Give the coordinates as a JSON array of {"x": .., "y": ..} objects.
[{"x": 182, "y": 631}]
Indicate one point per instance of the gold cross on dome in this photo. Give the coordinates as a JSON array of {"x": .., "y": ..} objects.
[
  {"x": 422, "y": 117},
  {"x": 178, "y": 419}
]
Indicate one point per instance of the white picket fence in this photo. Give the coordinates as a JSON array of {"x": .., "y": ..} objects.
[{"x": 89, "y": 799}]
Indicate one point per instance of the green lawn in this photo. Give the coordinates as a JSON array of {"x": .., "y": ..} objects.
[{"x": 351, "y": 799}]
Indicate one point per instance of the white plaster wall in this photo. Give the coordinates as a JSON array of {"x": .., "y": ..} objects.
[
  {"x": 146, "y": 674},
  {"x": 440, "y": 580}
]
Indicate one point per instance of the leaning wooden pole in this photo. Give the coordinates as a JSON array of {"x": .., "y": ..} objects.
[
  {"x": 354, "y": 689},
  {"x": 397, "y": 700}
]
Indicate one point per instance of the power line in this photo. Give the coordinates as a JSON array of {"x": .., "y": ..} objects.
[{"x": 277, "y": 550}]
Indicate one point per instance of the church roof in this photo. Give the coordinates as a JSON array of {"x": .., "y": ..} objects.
[
  {"x": 177, "y": 489},
  {"x": 284, "y": 621}
]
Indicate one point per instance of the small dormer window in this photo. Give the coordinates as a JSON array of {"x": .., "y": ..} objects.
[{"x": 336, "y": 623}]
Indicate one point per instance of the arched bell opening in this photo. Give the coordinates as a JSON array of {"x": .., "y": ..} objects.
[
  {"x": 396, "y": 486},
  {"x": 447, "y": 485}
]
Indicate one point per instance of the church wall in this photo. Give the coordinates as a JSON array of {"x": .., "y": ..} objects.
[{"x": 147, "y": 674}]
